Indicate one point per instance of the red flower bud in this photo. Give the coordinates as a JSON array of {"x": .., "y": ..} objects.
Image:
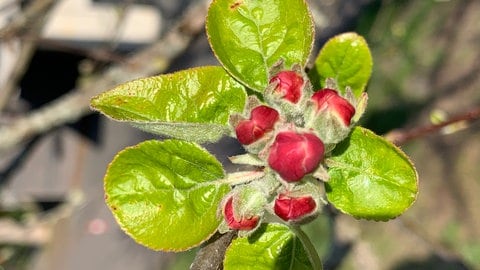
[
  {"x": 262, "y": 119},
  {"x": 293, "y": 208},
  {"x": 331, "y": 100},
  {"x": 238, "y": 223},
  {"x": 293, "y": 155},
  {"x": 289, "y": 85}
]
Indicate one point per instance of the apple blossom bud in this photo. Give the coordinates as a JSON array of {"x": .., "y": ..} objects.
[
  {"x": 238, "y": 222},
  {"x": 293, "y": 155},
  {"x": 294, "y": 208},
  {"x": 329, "y": 99},
  {"x": 262, "y": 120},
  {"x": 289, "y": 86}
]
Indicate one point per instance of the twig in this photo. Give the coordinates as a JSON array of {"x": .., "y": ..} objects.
[
  {"x": 212, "y": 253},
  {"x": 37, "y": 9},
  {"x": 26, "y": 51},
  {"x": 17, "y": 161},
  {"x": 12, "y": 232},
  {"x": 70, "y": 107},
  {"x": 29, "y": 23},
  {"x": 104, "y": 55},
  {"x": 39, "y": 229},
  {"x": 400, "y": 137}
]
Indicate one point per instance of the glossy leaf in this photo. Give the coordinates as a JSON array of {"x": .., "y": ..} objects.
[
  {"x": 164, "y": 194},
  {"x": 249, "y": 36},
  {"x": 370, "y": 177},
  {"x": 272, "y": 246},
  {"x": 192, "y": 104},
  {"x": 345, "y": 58}
]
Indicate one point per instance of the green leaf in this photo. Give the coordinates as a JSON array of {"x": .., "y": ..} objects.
[
  {"x": 272, "y": 246},
  {"x": 192, "y": 104},
  {"x": 345, "y": 58},
  {"x": 370, "y": 177},
  {"x": 249, "y": 36},
  {"x": 164, "y": 194}
]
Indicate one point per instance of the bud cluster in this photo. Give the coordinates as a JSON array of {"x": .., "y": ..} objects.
[{"x": 288, "y": 137}]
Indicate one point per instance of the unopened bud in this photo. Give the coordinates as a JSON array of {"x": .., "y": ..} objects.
[
  {"x": 329, "y": 99},
  {"x": 289, "y": 85},
  {"x": 330, "y": 115},
  {"x": 294, "y": 208},
  {"x": 262, "y": 120},
  {"x": 236, "y": 221},
  {"x": 293, "y": 155}
]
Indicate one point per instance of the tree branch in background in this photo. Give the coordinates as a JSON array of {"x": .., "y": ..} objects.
[
  {"x": 400, "y": 136},
  {"x": 28, "y": 19},
  {"x": 37, "y": 230},
  {"x": 26, "y": 51},
  {"x": 28, "y": 24},
  {"x": 70, "y": 107}
]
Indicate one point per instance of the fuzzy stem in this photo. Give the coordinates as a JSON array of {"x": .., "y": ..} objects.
[
  {"x": 247, "y": 159},
  {"x": 309, "y": 248},
  {"x": 241, "y": 177}
]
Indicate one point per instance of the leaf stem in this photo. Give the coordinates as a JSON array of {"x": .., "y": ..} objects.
[
  {"x": 247, "y": 159},
  {"x": 309, "y": 248},
  {"x": 237, "y": 178}
]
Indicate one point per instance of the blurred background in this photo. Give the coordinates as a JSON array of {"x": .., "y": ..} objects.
[{"x": 55, "y": 55}]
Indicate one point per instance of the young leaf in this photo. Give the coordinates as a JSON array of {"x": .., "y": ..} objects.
[
  {"x": 249, "y": 36},
  {"x": 164, "y": 194},
  {"x": 370, "y": 177},
  {"x": 191, "y": 104},
  {"x": 272, "y": 246},
  {"x": 345, "y": 58}
]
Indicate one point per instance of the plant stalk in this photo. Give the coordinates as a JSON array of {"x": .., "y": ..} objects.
[
  {"x": 243, "y": 177},
  {"x": 309, "y": 248}
]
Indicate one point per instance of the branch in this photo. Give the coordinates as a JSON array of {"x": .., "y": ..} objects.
[
  {"x": 70, "y": 107},
  {"x": 23, "y": 22},
  {"x": 29, "y": 23},
  {"x": 212, "y": 253},
  {"x": 12, "y": 232},
  {"x": 400, "y": 136},
  {"x": 39, "y": 228},
  {"x": 24, "y": 56}
]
